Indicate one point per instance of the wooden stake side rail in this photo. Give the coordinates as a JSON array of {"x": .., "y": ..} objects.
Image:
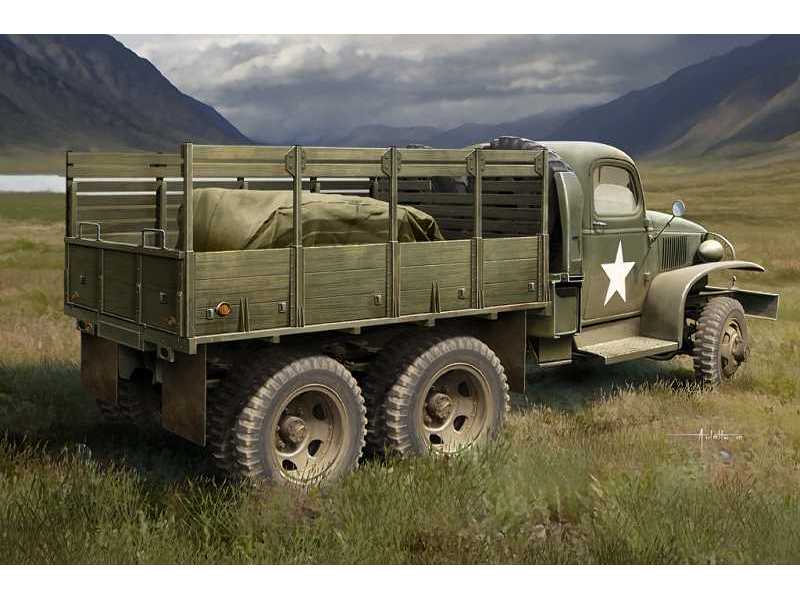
[{"x": 328, "y": 287}]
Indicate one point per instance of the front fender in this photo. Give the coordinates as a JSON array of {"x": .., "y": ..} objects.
[{"x": 664, "y": 306}]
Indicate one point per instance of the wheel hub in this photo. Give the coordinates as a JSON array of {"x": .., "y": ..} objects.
[
  {"x": 455, "y": 413},
  {"x": 292, "y": 430},
  {"x": 438, "y": 406},
  {"x": 740, "y": 349}
]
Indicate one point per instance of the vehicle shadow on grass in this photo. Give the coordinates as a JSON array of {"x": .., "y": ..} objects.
[
  {"x": 44, "y": 405},
  {"x": 571, "y": 387}
]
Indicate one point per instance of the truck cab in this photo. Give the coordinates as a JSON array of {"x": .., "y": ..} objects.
[{"x": 608, "y": 245}]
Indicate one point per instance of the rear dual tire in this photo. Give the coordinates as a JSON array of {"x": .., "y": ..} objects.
[
  {"x": 290, "y": 419},
  {"x": 435, "y": 394},
  {"x": 136, "y": 401}
]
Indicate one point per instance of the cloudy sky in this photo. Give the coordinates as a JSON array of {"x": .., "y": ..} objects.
[{"x": 299, "y": 88}]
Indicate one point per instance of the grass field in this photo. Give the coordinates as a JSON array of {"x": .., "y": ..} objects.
[{"x": 586, "y": 473}]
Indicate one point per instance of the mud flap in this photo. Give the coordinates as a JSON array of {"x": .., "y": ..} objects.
[
  {"x": 183, "y": 396},
  {"x": 507, "y": 337},
  {"x": 99, "y": 367}
]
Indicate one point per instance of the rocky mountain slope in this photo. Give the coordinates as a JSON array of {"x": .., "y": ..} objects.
[{"x": 90, "y": 92}]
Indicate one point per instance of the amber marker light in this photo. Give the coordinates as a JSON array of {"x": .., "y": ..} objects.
[{"x": 223, "y": 309}]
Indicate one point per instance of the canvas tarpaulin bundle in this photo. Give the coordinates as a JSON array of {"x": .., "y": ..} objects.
[{"x": 250, "y": 219}]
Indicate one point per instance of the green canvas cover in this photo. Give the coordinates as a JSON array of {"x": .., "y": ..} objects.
[{"x": 250, "y": 219}]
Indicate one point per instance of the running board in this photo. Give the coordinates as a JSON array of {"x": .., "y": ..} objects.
[{"x": 628, "y": 348}]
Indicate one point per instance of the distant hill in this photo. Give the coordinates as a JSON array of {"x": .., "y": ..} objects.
[
  {"x": 378, "y": 136},
  {"x": 536, "y": 126},
  {"x": 731, "y": 103},
  {"x": 748, "y": 95},
  {"x": 90, "y": 92}
]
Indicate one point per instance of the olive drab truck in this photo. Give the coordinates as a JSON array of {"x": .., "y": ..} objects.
[{"x": 291, "y": 357}]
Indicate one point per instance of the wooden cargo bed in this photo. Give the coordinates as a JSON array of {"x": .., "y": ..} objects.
[{"x": 126, "y": 280}]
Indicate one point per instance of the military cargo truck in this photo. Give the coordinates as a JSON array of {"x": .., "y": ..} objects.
[{"x": 287, "y": 361}]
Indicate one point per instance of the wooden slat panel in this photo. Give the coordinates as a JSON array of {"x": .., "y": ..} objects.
[
  {"x": 240, "y": 169},
  {"x": 257, "y": 289},
  {"x": 413, "y": 185},
  {"x": 332, "y": 184},
  {"x": 507, "y": 227},
  {"x": 434, "y": 253},
  {"x": 343, "y": 170},
  {"x": 510, "y": 265},
  {"x": 346, "y": 283},
  {"x": 109, "y": 214},
  {"x": 340, "y": 155},
  {"x": 489, "y": 212},
  {"x": 421, "y": 263},
  {"x": 243, "y": 284},
  {"x": 126, "y": 237},
  {"x": 512, "y": 156},
  {"x": 324, "y": 259},
  {"x": 419, "y": 301},
  {"x": 83, "y": 159},
  {"x": 109, "y": 226},
  {"x": 509, "y": 170},
  {"x": 422, "y": 277},
  {"x": 160, "y": 271},
  {"x": 160, "y": 275},
  {"x": 119, "y": 283},
  {"x": 511, "y": 186},
  {"x": 241, "y": 263},
  {"x": 83, "y": 276},
  {"x": 512, "y": 248},
  {"x": 341, "y": 283},
  {"x": 512, "y": 292},
  {"x": 518, "y": 200},
  {"x": 282, "y": 185},
  {"x": 261, "y": 276},
  {"x": 430, "y": 155},
  {"x": 240, "y": 153},
  {"x": 499, "y": 271},
  {"x": 119, "y": 186},
  {"x": 263, "y": 315},
  {"x": 435, "y": 169},
  {"x": 198, "y": 185},
  {"x": 343, "y": 308},
  {"x": 127, "y": 200},
  {"x": 106, "y": 171}
]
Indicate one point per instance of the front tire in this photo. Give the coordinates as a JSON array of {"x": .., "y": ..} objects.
[{"x": 721, "y": 341}]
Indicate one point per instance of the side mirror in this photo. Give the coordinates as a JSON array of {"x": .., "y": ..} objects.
[{"x": 678, "y": 208}]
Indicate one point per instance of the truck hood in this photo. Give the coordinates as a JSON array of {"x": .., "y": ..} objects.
[{"x": 659, "y": 219}]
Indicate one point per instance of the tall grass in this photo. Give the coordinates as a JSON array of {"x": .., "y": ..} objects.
[{"x": 587, "y": 472}]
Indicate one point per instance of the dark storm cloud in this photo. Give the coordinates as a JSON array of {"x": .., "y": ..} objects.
[{"x": 301, "y": 88}]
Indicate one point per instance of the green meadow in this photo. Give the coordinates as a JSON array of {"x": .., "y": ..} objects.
[{"x": 588, "y": 470}]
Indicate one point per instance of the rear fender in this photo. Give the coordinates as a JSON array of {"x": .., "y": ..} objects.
[{"x": 664, "y": 307}]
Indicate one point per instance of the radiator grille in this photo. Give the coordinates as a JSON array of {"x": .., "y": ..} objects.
[{"x": 673, "y": 251}]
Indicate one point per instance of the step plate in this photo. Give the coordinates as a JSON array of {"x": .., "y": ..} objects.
[{"x": 629, "y": 348}]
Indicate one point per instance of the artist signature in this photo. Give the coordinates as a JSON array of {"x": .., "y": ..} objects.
[{"x": 711, "y": 434}]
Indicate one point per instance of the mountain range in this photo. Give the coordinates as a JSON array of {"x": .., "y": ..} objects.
[
  {"x": 750, "y": 95},
  {"x": 90, "y": 92},
  {"x": 86, "y": 92}
]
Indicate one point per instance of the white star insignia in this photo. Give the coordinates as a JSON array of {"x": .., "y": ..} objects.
[{"x": 616, "y": 273}]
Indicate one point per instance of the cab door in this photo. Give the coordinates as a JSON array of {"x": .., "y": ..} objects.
[{"x": 615, "y": 244}]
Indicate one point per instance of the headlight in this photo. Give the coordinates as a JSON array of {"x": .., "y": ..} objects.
[{"x": 711, "y": 251}]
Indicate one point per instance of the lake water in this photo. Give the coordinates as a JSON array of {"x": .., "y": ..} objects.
[{"x": 32, "y": 183}]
